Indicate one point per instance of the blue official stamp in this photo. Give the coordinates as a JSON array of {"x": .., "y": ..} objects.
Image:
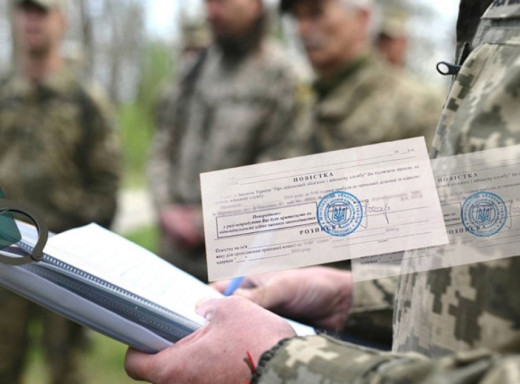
[
  {"x": 484, "y": 214},
  {"x": 339, "y": 213}
]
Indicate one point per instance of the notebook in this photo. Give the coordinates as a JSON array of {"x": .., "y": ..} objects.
[{"x": 101, "y": 280}]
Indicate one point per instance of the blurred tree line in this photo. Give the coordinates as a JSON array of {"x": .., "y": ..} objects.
[{"x": 109, "y": 40}]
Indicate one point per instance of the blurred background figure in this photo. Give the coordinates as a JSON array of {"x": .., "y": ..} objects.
[
  {"x": 360, "y": 99},
  {"x": 59, "y": 153},
  {"x": 229, "y": 108},
  {"x": 392, "y": 41}
]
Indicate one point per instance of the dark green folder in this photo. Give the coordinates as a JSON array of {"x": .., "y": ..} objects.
[{"x": 9, "y": 233}]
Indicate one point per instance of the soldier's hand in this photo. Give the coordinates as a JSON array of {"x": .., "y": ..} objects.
[
  {"x": 182, "y": 223},
  {"x": 319, "y": 295},
  {"x": 214, "y": 354}
]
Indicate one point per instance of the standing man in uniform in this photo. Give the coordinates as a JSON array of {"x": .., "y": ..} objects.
[
  {"x": 227, "y": 110},
  {"x": 59, "y": 153},
  {"x": 360, "y": 99},
  {"x": 454, "y": 325}
]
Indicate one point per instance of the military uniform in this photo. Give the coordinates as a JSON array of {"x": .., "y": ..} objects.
[
  {"x": 456, "y": 325},
  {"x": 221, "y": 114},
  {"x": 59, "y": 153},
  {"x": 371, "y": 102}
]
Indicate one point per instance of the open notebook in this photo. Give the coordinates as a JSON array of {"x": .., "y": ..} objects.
[{"x": 103, "y": 281}]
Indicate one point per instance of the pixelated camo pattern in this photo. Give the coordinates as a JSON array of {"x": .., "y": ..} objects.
[{"x": 466, "y": 318}]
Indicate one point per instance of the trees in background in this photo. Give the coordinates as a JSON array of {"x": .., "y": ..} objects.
[
  {"x": 110, "y": 39},
  {"x": 107, "y": 40}
]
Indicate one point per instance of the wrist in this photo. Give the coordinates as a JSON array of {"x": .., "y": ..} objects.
[{"x": 265, "y": 358}]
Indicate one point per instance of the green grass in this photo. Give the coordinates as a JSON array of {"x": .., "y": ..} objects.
[
  {"x": 103, "y": 361},
  {"x": 147, "y": 237},
  {"x": 136, "y": 119},
  {"x": 137, "y": 131}
]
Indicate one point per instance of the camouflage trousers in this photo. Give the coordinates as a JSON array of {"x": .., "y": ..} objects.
[{"x": 62, "y": 341}]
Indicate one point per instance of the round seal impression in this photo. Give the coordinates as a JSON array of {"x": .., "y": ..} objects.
[
  {"x": 339, "y": 213},
  {"x": 483, "y": 214}
]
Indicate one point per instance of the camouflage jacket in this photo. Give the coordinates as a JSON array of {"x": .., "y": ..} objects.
[
  {"x": 456, "y": 325},
  {"x": 221, "y": 114},
  {"x": 344, "y": 113},
  {"x": 59, "y": 151}
]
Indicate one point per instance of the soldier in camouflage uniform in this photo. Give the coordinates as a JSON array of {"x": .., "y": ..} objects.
[
  {"x": 227, "y": 110},
  {"x": 456, "y": 325},
  {"x": 360, "y": 99},
  {"x": 59, "y": 153}
]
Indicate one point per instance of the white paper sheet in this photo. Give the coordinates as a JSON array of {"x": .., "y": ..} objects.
[
  {"x": 322, "y": 208},
  {"x": 480, "y": 198}
]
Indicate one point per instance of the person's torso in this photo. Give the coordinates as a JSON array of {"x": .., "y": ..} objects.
[
  {"x": 375, "y": 104},
  {"x": 42, "y": 135},
  {"x": 225, "y": 120},
  {"x": 476, "y": 305}
]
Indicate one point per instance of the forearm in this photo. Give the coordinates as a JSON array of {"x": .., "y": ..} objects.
[{"x": 334, "y": 361}]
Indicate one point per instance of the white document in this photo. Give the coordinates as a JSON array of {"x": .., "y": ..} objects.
[
  {"x": 322, "y": 208},
  {"x": 112, "y": 258},
  {"x": 480, "y": 197}
]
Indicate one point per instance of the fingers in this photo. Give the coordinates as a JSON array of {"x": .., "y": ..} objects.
[
  {"x": 223, "y": 340},
  {"x": 263, "y": 296},
  {"x": 220, "y": 285},
  {"x": 137, "y": 364},
  {"x": 247, "y": 283},
  {"x": 207, "y": 308}
]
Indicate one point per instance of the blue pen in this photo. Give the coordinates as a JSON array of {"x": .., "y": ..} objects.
[{"x": 233, "y": 285}]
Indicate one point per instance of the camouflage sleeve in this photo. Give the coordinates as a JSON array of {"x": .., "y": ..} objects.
[
  {"x": 322, "y": 359},
  {"x": 370, "y": 316},
  {"x": 99, "y": 158}
]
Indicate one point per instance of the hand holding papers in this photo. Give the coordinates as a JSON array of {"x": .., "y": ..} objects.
[
  {"x": 106, "y": 282},
  {"x": 322, "y": 208}
]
